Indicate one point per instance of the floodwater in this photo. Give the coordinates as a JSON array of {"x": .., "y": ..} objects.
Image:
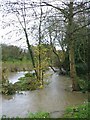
[
  {"x": 54, "y": 98},
  {"x": 14, "y": 76}
]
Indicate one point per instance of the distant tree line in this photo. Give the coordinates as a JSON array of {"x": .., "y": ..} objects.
[{"x": 12, "y": 53}]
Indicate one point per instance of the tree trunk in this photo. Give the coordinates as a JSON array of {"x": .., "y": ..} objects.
[
  {"x": 73, "y": 75},
  {"x": 75, "y": 85},
  {"x": 40, "y": 38},
  {"x": 31, "y": 53},
  {"x": 27, "y": 40}
]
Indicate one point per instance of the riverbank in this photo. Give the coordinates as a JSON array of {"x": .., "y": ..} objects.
[
  {"x": 14, "y": 66},
  {"x": 79, "y": 111}
]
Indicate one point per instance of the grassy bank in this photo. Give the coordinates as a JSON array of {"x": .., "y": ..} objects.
[
  {"x": 40, "y": 114},
  {"x": 14, "y": 66},
  {"x": 80, "y": 111}
]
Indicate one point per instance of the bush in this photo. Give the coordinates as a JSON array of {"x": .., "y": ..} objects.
[
  {"x": 7, "y": 88},
  {"x": 83, "y": 84},
  {"x": 28, "y": 82},
  {"x": 30, "y": 75},
  {"x": 81, "y": 69}
]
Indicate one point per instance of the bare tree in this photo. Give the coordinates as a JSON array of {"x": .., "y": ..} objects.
[{"x": 20, "y": 8}]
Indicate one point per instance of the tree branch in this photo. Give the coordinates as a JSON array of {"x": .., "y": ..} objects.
[
  {"x": 80, "y": 28},
  {"x": 62, "y": 10},
  {"x": 80, "y": 11}
]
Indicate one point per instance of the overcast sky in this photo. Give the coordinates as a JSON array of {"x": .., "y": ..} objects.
[{"x": 8, "y": 33}]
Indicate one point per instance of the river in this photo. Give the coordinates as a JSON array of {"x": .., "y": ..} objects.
[{"x": 54, "y": 98}]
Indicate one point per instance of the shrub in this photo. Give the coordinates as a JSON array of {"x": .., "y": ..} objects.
[
  {"x": 30, "y": 75},
  {"x": 7, "y": 88}
]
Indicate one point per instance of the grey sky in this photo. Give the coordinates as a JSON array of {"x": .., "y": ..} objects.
[{"x": 14, "y": 36}]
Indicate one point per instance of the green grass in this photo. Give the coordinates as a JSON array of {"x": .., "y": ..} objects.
[
  {"x": 30, "y": 115},
  {"x": 39, "y": 115},
  {"x": 80, "y": 111},
  {"x": 13, "y": 66}
]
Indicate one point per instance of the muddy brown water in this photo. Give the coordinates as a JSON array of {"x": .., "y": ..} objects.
[{"x": 54, "y": 98}]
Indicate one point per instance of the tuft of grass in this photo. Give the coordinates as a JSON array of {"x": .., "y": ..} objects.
[
  {"x": 39, "y": 115},
  {"x": 80, "y": 111}
]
